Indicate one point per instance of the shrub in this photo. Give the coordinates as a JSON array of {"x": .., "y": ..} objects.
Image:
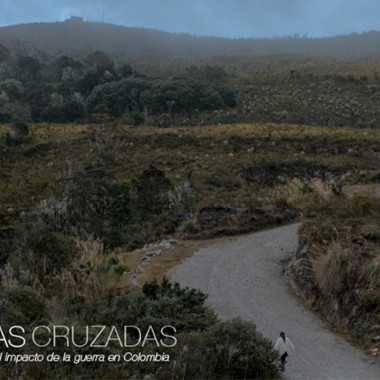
[
  {"x": 191, "y": 226},
  {"x": 19, "y": 129},
  {"x": 21, "y": 304},
  {"x": 183, "y": 95},
  {"x": 241, "y": 351},
  {"x": 101, "y": 118},
  {"x": 91, "y": 204},
  {"x": 138, "y": 118},
  {"x": 164, "y": 121},
  {"x": 225, "y": 118},
  {"x": 152, "y": 188},
  {"x": 5, "y": 117},
  {"x": 15, "y": 111},
  {"x": 227, "y": 350},
  {"x": 116, "y": 265},
  {"x": 38, "y": 95},
  {"x": 72, "y": 111},
  {"x": 158, "y": 96},
  {"x": 206, "y": 73},
  {"x": 13, "y": 89},
  {"x": 228, "y": 95},
  {"x": 120, "y": 268},
  {"x": 28, "y": 67},
  {"x": 64, "y": 61},
  {"x": 181, "y": 198},
  {"x": 99, "y": 58},
  {"x": 113, "y": 260},
  {"x": 8, "y": 238},
  {"x": 43, "y": 251},
  {"x": 89, "y": 81},
  {"x": 156, "y": 305},
  {"x": 195, "y": 356},
  {"x": 116, "y": 98}
]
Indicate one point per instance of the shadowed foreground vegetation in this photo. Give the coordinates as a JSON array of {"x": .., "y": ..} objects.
[{"x": 89, "y": 212}]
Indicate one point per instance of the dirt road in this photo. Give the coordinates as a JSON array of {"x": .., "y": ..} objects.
[{"x": 243, "y": 278}]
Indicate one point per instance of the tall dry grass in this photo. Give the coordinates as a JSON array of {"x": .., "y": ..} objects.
[
  {"x": 334, "y": 268},
  {"x": 83, "y": 279},
  {"x": 301, "y": 193}
]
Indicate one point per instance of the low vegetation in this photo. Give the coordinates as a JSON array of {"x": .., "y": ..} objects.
[
  {"x": 337, "y": 265},
  {"x": 93, "y": 212},
  {"x": 38, "y": 86},
  {"x": 77, "y": 201}
]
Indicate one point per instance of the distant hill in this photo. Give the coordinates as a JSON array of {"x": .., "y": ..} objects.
[
  {"x": 4, "y": 52},
  {"x": 80, "y": 37}
]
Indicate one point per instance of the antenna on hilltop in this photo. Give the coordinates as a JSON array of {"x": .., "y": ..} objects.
[{"x": 103, "y": 17}]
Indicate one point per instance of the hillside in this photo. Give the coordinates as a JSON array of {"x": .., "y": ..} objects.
[
  {"x": 85, "y": 209},
  {"x": 119, "y": 41},
  {"x": 36, "y": 86},
  {"x": 142, "y": 146}
]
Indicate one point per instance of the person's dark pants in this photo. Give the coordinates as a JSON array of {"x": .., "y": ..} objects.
[
  {"x": 283, "y": 358},
  {"x": 283, "y": 361}
]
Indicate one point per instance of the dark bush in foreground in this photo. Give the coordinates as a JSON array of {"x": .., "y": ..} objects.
[
  {"x": 228, "y": 350},
  {"x": 205, "y": 348},
  {"x": 157, "y": 305},
  {"x": 20, "y": 304},
  {"x": 241, "y": 351},
  {"x": 42, "y": 251}
]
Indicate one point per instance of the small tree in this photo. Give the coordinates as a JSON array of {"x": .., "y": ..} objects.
[{"x": 242, "y": 352}]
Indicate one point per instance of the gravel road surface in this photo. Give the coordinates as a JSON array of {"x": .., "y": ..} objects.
[{"x": 243, "y": 279}]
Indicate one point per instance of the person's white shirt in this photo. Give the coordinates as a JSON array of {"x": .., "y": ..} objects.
[{"x": 283, "y": 347}]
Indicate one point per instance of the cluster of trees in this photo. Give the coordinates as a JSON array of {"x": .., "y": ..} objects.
[
  {"x": 34, "y": 87},
  {"x": 159, "y": 96}
]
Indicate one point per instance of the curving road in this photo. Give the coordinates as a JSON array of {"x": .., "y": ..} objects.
[{"x": 243, "y": 279}]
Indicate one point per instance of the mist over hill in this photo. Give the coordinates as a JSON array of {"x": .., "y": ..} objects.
[{"x": 78, "y": 37}]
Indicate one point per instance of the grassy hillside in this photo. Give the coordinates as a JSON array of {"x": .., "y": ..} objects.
[
  {"x": 96, "y": 210},
  {"x": 214, "y": 181},
  {"x": 89, "y": 213},
  {"x": 337, "y": 266},
  {"x": 224, "y": 164},
  {"x": 296, "y": 89}
]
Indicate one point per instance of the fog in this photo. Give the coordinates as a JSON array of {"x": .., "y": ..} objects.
[{"x": 224, "y": 18}]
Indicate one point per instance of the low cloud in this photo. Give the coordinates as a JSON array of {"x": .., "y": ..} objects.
[{"x": 229, "y": 18}]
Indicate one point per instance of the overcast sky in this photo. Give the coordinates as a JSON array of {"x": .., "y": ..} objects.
[{"x": 227, "y": 18}]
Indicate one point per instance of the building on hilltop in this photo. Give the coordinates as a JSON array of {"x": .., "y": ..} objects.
[{"x": 75, "y": 19}]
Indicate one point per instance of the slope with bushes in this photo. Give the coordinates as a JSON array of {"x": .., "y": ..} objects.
[
  {"x": 337, "y": 265},
  {"x": 81, "y": 204}
]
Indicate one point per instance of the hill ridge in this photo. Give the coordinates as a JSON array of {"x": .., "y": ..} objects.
[{"x": 124, "y": 41}]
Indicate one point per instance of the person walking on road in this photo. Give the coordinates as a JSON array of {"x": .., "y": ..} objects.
[{"x": 283, "y": 346}]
